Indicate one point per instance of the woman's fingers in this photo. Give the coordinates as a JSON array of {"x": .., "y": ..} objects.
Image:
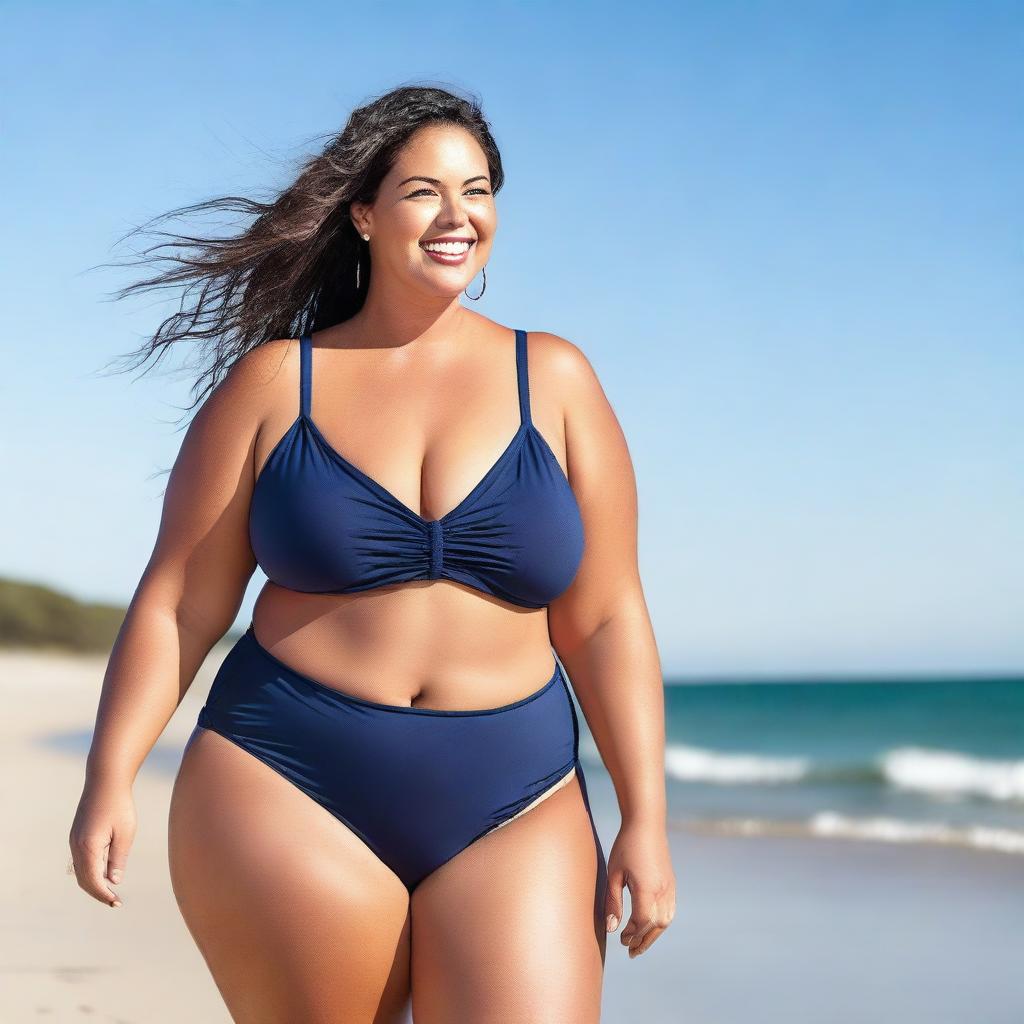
[
  {"x": 613, "y": 900},
  {"x": 88, "y": 854},
  {"x": 117, "y": 857},
  {"x": 651, "y": 913},
  {"x": 100, "y": 838},
  {"x": 646, "y": 940}
]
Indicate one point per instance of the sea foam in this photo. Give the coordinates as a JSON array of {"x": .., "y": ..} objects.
[
  {"x": 950, "y": 773},
  {"x": 944, "y": 774},
  {"x": 696, "y": 764},
  {"x": 832, "y": 825}
]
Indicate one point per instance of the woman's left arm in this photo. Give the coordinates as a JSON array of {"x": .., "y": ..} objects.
[{"x": 601, "y": 631}]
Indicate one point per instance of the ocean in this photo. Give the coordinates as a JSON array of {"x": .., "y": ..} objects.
[{"x": 924, "y": 760}]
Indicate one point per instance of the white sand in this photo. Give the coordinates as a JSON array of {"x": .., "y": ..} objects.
[{"x": 65, "y": 955}]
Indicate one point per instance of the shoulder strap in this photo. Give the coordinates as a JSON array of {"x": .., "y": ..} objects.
[
  {"x": 305, "y": 373},
  {"x": 522, "y": 374}
]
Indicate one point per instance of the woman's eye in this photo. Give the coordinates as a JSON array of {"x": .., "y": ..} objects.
[{"x": 427, "y": 191}]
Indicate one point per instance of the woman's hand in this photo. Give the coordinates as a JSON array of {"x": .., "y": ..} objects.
[
  {"x": 101, "y": 836},
  {"x": 640, "y": 859}
]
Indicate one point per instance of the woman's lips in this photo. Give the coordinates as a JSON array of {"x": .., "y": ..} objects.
[{"x": 450, "y": 259}]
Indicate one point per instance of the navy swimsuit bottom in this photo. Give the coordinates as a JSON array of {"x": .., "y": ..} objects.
[{"x": 417, "y": 785}]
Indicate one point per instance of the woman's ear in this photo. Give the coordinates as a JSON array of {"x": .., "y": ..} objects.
[{"x": 357, "y": 213}]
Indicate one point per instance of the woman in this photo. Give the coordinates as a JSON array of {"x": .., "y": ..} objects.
[{"x": 438, "y": 502}]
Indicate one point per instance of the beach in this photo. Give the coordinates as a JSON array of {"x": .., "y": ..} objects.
[{"x": 768, "y": 927}]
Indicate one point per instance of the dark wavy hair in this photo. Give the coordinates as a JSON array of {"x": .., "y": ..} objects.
[{"x": 292, "y": 270}]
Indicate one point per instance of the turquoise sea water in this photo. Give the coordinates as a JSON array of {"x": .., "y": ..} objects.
[{"x": 940, "y": 760}]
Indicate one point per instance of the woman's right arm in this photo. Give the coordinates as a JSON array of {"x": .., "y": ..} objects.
[{"x": 186, "y": 600}]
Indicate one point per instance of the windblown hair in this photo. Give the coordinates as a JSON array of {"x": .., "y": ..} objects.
[{"x": 293, "y": 269}]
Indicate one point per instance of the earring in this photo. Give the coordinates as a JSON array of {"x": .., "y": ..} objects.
[
  {"x": 365, "y": 238},
  {"x": 483, "y": 270}
]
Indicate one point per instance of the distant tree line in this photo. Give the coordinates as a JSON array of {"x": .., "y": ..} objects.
[{"x": 33, "y": 615}]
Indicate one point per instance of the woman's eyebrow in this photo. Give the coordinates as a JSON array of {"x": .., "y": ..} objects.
[{"x": 436, "y": 181}]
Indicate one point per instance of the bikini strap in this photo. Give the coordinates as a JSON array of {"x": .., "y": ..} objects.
[
  {"x": 522, "y": 374},
  {"x": 305, "y": 373}
]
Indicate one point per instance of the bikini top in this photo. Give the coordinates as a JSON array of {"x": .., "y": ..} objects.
[{"x": 319, "y": 524}]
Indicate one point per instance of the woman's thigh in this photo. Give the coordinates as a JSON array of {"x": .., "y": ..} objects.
[
  {"x": 296, "y": 917},
  {"x": 510, "y": 929}
]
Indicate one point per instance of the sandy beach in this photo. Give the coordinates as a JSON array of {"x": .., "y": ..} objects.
[{"x": 767, "y": 929}]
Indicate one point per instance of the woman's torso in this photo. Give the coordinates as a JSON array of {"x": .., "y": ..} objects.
[{"x": 391, "y": 441}]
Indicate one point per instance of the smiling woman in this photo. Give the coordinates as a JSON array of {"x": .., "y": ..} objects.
[
  {"x": 386, "y": 767},
  {"x": 298, "y": 265}
]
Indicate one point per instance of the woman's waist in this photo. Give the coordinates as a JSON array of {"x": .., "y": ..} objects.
[
  {"x": 461, "y": 665},
  {"x": 264, "y": 703}
]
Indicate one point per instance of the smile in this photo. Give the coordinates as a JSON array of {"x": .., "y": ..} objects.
[{"x": 447, "y": 252}]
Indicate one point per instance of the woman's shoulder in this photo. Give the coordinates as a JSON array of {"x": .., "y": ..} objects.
[
  {"x": 258, "y": 365},
  {"x": 560, "y": 361},
  {"x": 255, "y": 384},
  {"x": 261, "y": 373}
]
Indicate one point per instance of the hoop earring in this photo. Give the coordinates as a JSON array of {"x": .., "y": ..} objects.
[{"x": 483, "y": 270}]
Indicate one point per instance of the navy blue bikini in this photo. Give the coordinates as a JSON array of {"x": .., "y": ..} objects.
[
  {"x": 319, "y": 524},
  {"x": 417, "y": 785}
]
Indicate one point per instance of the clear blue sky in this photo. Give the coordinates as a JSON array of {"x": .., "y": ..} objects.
[{"x": 788, "y": 236}]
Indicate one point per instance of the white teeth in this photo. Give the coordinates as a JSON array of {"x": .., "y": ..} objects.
[{"x": 451, "y": 248}]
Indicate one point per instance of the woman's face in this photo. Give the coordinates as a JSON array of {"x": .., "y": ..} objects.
[{"x": 439, "y": 187}]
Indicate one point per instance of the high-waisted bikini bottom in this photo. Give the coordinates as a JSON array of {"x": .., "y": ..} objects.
[{"x": 417, "y": 785}]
